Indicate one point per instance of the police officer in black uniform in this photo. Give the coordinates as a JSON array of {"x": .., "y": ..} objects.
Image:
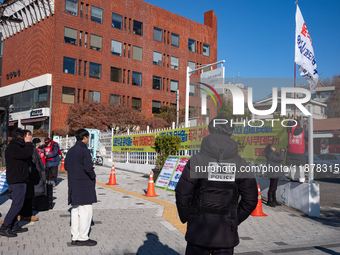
[{"x": 207, "y": 194}]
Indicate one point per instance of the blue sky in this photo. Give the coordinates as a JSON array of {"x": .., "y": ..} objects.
[{"x": 256, "y": 37}]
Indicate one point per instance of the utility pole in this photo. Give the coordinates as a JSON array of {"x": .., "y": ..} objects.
[
  {"x": 177, "y": 109},
  {"x": 188, "y": 73}
]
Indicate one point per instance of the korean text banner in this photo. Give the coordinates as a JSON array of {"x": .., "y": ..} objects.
[
  {"x": 191, "y": 136},
  {"x": 304, "y": 53},
  {"x": 134, "y": 143},
  {"x": 258, "y": 138}
]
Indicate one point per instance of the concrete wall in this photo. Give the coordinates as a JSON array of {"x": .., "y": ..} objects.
[{"x": 304, "y": 197}]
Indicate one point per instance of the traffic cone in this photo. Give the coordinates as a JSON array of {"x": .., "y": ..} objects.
[
  {"x": 112, "y": 180},
  {"x": 151, "y": 187},
  {"x": 62, "y": 167},
  {"x": 258, "y": 210}
]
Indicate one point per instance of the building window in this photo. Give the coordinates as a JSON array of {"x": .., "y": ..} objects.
[
  {"x": 81, "y": 10},
  {"x": 96, "y": 42},
  {"x": 79, "y": 67},
  {"x": 174, "y": 40},
  {"x": 137, "y": 53},
  {"x": 115, "y": 99},
  {"x": 157, "y": 58},
  {"x": 137, "y": 27},
  {"x": 96, "y": 14},
  {"x": 156, "y": 106},
  {"x": 137, "y": 103},
  {"x": 70, "y": 35},
  {"x": 95, "y": 70},
  {"x": 116, "y": 48},
  {"x": 174, "y": 86},
  {"x": 191, "y": 45},
  {"x": 192, "y": 65},
  {"x": 116, "y": 74},
  {"x": 206, "y": 50},
  {"x": 192, "y": 90},
  {"x": 71, "y": 7},
  {"x": 174, "y": 63},
  {"x": 137, "y": 79},
  {"x": 94, "y": 96},
  {"x": 85, "y": 62},
  {"x": 68, "y": 95},
  {"x": 117, "y": 21},
  {"x": 192, "y": 111},
  {"x": 87, "y": 11},
  {"x": 157, "y": 82},
  {"x": 2, "y": 45},
  {"x": 70, "y": 65},
  {"x": 157, "y": 34},
  {"x": 80, "y": 37},
  {"x": 85, "y": 44}
]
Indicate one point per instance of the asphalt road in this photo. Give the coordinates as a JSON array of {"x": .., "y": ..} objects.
[{"x": 329, "y": 197}]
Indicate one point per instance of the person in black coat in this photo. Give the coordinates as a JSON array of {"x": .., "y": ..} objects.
[
  {"x": 81, "y": 189},
  {"x": 17, "y": 175},
  {"x": 274, "y": 170},
  {"x": 208, "y": 200},
  {"x": 37, "y": 180}
]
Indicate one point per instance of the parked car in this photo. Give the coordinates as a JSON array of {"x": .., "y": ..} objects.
[
  {"x": 324, "y": 169},
  {"x": 330, "y": 157}
]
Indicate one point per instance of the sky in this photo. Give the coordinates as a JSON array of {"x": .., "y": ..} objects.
[{"x": 256, "y": 38}]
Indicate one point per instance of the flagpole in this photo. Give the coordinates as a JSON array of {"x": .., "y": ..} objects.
[
  {"x": 296, "y": 2},
  {"x": 294, "y": 87}
]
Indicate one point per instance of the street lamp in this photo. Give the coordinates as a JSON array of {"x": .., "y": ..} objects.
[
  {"x": 188, "y": 73},
  {"x": 5, "y": 112}
]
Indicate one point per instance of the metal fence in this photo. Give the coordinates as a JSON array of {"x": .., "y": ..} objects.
[{"x": 105, "y": 148}]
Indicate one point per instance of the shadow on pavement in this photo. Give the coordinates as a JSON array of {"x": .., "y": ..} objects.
[
  {"x": 153, "y": 246},
  {"x": 327, "y": 251}
]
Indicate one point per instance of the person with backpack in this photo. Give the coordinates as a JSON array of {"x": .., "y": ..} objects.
[
  {"x": 52, "y": 153},
  {"x": 208, "y": 192}
]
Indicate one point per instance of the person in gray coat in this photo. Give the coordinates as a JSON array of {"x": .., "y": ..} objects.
[{"x": 81, "y": 189}]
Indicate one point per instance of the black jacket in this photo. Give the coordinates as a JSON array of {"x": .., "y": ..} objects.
[
  {"x": 274, "y": 159},
  {"x": 37, "y": 177},
  {"x": 16, "y": 155},
  {"x": 81, "y": 175},
  {"x": 209, "y": 229}
]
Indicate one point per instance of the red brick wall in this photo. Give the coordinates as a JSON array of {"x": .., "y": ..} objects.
[{"x": 41, "y": 48}]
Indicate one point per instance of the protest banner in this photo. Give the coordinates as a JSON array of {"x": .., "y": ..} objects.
[{"x": 134, "y": 143}]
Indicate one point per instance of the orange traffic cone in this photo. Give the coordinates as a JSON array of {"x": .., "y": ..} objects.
[
  {"x": 258, "y": 210},
  {"x": 62, "y": 167},
  {"x": 151, "y": 187},
  {"x": 112, "y": 180}
]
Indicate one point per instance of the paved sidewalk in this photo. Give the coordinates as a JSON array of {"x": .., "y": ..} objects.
[{"x": 126, "y": 223}]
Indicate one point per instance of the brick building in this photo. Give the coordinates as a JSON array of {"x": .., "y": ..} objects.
[{"x": 124, "y": 52}]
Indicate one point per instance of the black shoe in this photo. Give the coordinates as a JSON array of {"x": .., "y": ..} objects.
[
  {"x": 74, "y": 242},
  {"x": 88, "y": 242},
  {"x": 276, "y": 203},
  {"x": 20, "y": 230},
  {"x": 271, "y": 204},
  {"x": 7, "y": 232}
]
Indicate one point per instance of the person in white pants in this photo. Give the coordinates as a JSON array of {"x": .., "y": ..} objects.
[{"x": 81, "y": 189}]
